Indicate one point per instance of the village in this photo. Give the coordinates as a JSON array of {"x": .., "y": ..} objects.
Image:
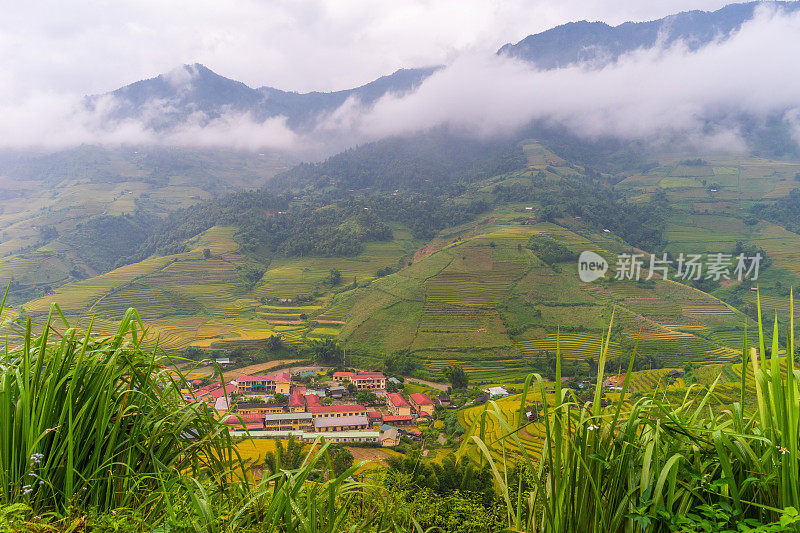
[
  {"x": 344, "y": 407},
  {"x": 354, "y": 408}
]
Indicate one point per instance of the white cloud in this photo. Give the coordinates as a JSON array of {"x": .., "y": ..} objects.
[
  {"x": 95, "y": 46},
  {"x": 648, "y": 94},
  {"x": 659, "y": 94}
]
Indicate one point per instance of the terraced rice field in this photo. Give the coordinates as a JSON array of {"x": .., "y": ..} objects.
[
  {"x": 322, "y": 333},
  {"x": 707, "y": 309},
  {"x": 573, "y": 346},
  {"x": 151, "y": 302},
  {"x": 648, "y": 380},
  {"x": 291, "y": 334},
  {"x": 441, "y": 317},
  {"x": 495, "y": 436},
  {"x": 80, "y": 296},
  {"x": 677, "y": 352},
  {"x": 487, "y": 370},
  {"x": 457, "y": 288},
  {"x": 723, "y": 353}
]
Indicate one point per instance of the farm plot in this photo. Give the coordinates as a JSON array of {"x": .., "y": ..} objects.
[
  {"x": 79, "y": 296},
  {"x": 440, "y": 317},
  {"x": 678, "y": 351},
  {"x": 707, "y": 309},
  {"x": 495, "y": 436},
  {"x": 151, "y": 302},
  {"x": 457, "y": 288},
  {"x": 573, "y": 346}
]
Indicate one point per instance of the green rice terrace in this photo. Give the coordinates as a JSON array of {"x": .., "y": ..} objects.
[{"x": 476, "y": 294}]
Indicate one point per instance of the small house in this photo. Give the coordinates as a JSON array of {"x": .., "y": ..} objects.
[
  {"x": 443, "y": 400},
  {"x": 337, "y": 392},
  {"x": 496, "y": 392},
  {"x": 389, "y": 435}
]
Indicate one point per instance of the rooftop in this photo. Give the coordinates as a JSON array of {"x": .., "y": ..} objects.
[
  {"x": 247, "y": 419},
  {"x": 337, "y": 408},
  {"x": 370, "y": 375},
  {"x": 287, "y": 416},
  {"x": 397, "y": 399},
  {"x": 397, "y": 418},
  {"x": 254, "y": 405},
  {"x": 341, "y": 421},
  {"x": 229, "y": 389},
  {"x": 312, "y": 400},
  {"x": 281, "y": 377},
  {"x": 296, "y": 400},
  {"x": 421, "y": 399},
  {"x": 309, "y": 436}
]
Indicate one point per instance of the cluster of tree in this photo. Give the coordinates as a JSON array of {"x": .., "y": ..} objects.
[
  {"x": 333, "y": 278},
  {"x": 105, "y": 242},
  {"x": 550, "y": 250},
  {"x": 326, "y": 352},
  {"x": 385, "y": 271},
  {"x": 367, "y": 397},
  {"x": 452, "y": 427},
  {"x": 250, "y": 274},
  {"x": 641, "y": 225},
  {"x": 695, "y": 162},
  {"x": 267, "y": 223},
  {"x": 784, "y": 212},
  {"x": 402, "y": 363},
  {"x": 456, "y": 376},
  {"x": 427, "y": 162}
]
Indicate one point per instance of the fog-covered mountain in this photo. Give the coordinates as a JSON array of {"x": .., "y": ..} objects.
[
  {"x": 197, "y": 94},
  {"x": 597, "y": 43},
  {"x": 194, "y": 91}
]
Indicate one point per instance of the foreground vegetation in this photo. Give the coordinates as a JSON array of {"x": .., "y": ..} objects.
[{"x": 95, "y": 435}]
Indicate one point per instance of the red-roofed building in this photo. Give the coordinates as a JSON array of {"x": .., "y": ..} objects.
[
  {"x": 203, "y": 391},
  {"x": 375, "y": 417},
  {"x": 312, "y": 400},
  {"x": 297, "y": 402},
  {"x": 220, "y": 392},
  {"x": 420, "y": 402},
  {"x": 362, "y": 380},
  {"x": 265, "y": 383},
  {"x": 398, "y": 406},
  {"x": 424, "y": 414},
  {"x": 397, "y": 420},
  {"x": 336, "y": 411},
  {"x": 247, "y": 421}
]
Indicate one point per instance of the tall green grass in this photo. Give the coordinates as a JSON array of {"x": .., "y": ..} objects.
[
  {"x": 99, "y": 427},
  {"x": 662, "y": 465},
  {"x": 98, "y": 422}
]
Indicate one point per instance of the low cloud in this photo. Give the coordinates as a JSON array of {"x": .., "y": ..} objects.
[
  {"x": 661, "y": 95},
  {"x": 54, "y": 122},
  {"x": 658, "y": 95}
]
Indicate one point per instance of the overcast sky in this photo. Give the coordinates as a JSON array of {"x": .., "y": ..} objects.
[{"x": 85, "y": 47}]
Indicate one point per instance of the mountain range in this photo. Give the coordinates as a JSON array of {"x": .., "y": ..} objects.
[{"x": 197, "y": 93}]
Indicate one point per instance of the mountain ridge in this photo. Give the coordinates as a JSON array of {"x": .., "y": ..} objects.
[
  {"x": 194, "y": 93},
  {"x": 597, "y": 43}
]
